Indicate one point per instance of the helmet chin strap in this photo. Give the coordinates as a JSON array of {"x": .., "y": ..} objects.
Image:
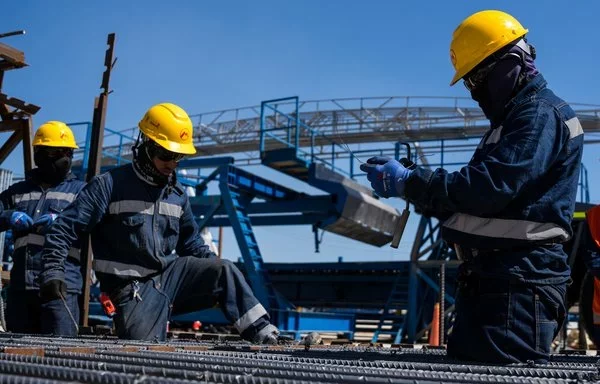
[{"x": 144, "y": 166}]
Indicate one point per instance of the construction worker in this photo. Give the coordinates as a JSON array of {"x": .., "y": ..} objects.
[
  {"x": 148, "y": 253},
  {"x": 510, "y": 208},
  {"x": 591, "y": 258},
  {"x": 28, "y": 208}
]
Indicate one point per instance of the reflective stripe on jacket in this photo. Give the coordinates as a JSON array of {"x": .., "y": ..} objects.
[
  {"x": 520, "y": 186},
  {"x": 137, "y": 229},
  {"x": 27, "y": 196}
]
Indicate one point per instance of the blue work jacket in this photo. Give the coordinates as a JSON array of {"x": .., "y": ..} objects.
[
  {"x": 517, "y": 194},
  {"x": 137, "y": 229},
  {"x": 29, "y": 197}
]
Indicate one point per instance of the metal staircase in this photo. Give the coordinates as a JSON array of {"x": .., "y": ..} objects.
[
  {"x": 356, "y": 213},
  {"x": 393, "y": 318},
  {"x": 236, "y": 202}
]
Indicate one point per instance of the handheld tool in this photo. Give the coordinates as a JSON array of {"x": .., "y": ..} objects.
[{"x": 409, "y": 164}]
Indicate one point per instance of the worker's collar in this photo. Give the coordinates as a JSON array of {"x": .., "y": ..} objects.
[
  {"x": 535, "y": 85},
  {"x": 35, "y": 176}
]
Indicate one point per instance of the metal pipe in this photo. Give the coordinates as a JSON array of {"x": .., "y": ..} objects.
[{"x": 13, "y": 33}]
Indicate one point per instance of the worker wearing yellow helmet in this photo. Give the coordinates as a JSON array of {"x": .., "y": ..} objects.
[
  {"x": 148, "y": 253},
  {"x": 508, "y": 211},
  {"x": 29, "y": 208}
]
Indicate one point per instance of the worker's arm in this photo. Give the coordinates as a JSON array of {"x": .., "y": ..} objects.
[
  {"x": 529, "y": 145},
  {"x": 80, "y": 216},
  {"x": 6, "y": 209},
  {"x": 190, "y": 242}
]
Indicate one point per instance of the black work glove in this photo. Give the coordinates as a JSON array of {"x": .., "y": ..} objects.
[{"x": 52, "y": 290}]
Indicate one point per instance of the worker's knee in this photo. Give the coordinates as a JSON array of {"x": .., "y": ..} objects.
[
  {"x": 226, "y": 265},
  {"x": 506, "y": 322}
]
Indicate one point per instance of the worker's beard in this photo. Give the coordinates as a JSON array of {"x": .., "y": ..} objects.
[
  {"x": 145, "y": 169},
  {"x": 51, "y": 170}
]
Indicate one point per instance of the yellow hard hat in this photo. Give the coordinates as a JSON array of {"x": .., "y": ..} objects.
[
  {"x": 169, "y": 126},
  {"x": 479, "y": 36},
  {"x": 54, "y": 134}
]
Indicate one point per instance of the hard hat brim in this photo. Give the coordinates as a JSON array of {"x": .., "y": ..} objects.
[{"x": 184, "y": 149}]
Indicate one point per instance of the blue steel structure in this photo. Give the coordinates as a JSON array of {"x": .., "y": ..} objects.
[{"x": 313, "y": 146}]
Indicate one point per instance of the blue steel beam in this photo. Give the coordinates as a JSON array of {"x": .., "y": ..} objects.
[
  {"x": 258, "y": 186},
  {"x": 433, "y": 285},
  {"x": 206, "y": 162},
  {"x": 303, "y": 219},
  {"x": 307, "y": 204}
]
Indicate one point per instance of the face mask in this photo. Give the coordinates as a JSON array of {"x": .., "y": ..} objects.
[
  {"x": 144, "y": 167},
  {"x": 498, "y": 88},
  {"x": 53, "y": 168},
  {"x": 505, "y": 78}
]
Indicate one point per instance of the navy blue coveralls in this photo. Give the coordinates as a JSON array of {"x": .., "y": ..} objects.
[
  {"x": 507, "y": 212},
  {"x": 149, "y": 256},
  {"x": 25, "y": 313}
]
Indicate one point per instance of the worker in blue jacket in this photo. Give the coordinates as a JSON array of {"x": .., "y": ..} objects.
[
  {"x": 507, "y": 212},
  {"x": 148, "y": 253},
  {"x": 28, "y": 208}
]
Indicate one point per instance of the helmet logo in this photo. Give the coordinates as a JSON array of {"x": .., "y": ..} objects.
[
  {"x": 453, "y": 57},
  {"x": 63, "y": 134},
  {"x": 183, "y": 134}
]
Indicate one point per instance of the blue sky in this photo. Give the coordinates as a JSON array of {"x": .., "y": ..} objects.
[{"x": 208, "y": 56}]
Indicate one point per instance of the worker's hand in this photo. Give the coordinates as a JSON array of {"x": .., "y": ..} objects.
[
  {"x": 52, "y": 290},
  {"x": 20, "y": 221},
  {"x": 43, "y": 223},
  {"x": 387, "y": 176}
]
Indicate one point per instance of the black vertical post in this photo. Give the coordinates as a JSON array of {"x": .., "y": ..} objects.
[{"x": 95, "y": 151}]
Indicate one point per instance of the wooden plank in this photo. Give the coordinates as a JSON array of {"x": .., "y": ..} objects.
[
  {"x": 11, "y": 125},
  {"x": 27, "y": 137},
  {"x": 10, "y": 145},
  {"x": 13, "y": 56},
  {"x": 19, "y": 104}
]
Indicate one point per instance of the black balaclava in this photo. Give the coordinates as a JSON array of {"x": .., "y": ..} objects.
[
  {"x": 143, "y": 165},
  {"x": 513, "y": 69},
  {"x": 52, "y": 170}
]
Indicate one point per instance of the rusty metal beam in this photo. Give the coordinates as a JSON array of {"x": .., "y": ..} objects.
[{"x": 95, "y": 153}]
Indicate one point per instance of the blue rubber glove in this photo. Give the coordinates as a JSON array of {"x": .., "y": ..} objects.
[
  {"x": 20, "y": 221},
  {"x": 44, "y": 222},
  {"x": 387, "y": 176}
]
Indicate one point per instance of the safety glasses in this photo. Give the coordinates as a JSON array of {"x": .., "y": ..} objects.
[
  {"x": 164, "y": 154},
  {"x": 478, "y": 77}
]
